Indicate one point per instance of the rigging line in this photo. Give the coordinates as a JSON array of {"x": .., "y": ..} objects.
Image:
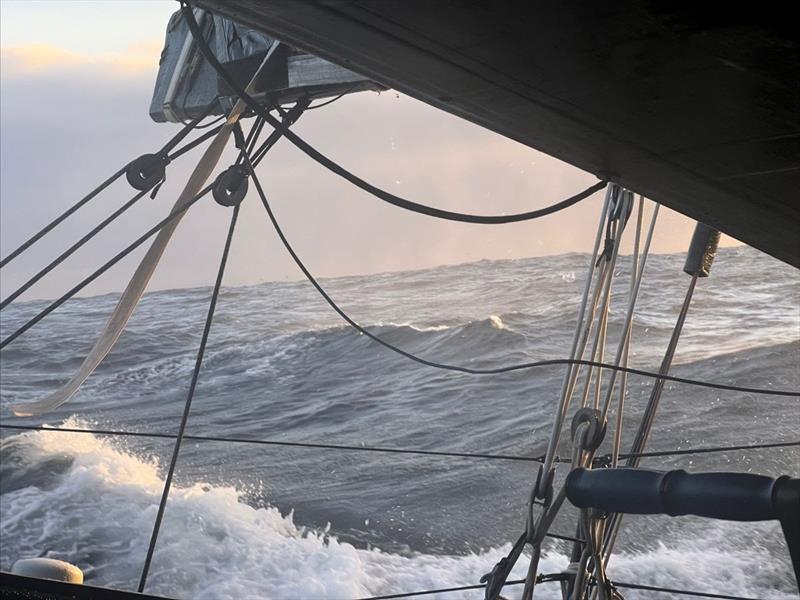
[
  {"x": 332, "y": 100},
  {"x": 512, "y": 457},
  {"x": 485, "y": 371},
  {"x": 176, "y": 139},
  {"x": 563, "y": 577},
  {"x": 637, "y": 275},
  {"x": 627, "y": 333},
  {"x": 204, "y": 438},
  {"x": 74, "y": 248},
  {"x": 334, "y": 167},
  {"x": 63, "y": 216},
  {"x": 463, "y": 588},
  {"x": 194, "y": 143},
  {"x": 708, "y": 450},
  {"x": 113, "y": 261},
  {"x": 212, "y": 122},
  {"x": 664, "y": 590},
  {"x": 188, "y": 405},
  {"x": 581, "y": 334},
  {"x": 646, "y": 424},
  {"x": 102, "y": 225},
  {"x": 290, "y": 118}
]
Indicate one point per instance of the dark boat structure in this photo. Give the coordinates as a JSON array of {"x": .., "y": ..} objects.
[{"x": 694, "y": 106}]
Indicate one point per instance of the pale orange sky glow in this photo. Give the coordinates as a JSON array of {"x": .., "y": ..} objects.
[{"x": 86, "y": 114}]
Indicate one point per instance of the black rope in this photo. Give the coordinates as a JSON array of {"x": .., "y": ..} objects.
[
  {"x": 189, "y": 397},
  {"x": 562, "y": 577},
  {"x": 175, "y": 140},
  {"x": 212, "y": 122},
  {"x": 283, "y": 128},
  {"x": 102, "y": 225},
  {"x": 477, "y": 371},
  {"x": 289, "y": 118},
  {"x": 195, "y": 142},
  {"x": 334, "y": 167},
  {"x": 551, "y": 577},
  {"x": 332, "y": 100},
  {"x": 664, "y": 590},
  {"x": 711, "y": 449},
  {"x": 345, "y": 447},
  {"x": 63, "y": 216},
  {"x": 118, "y": 257},
  {"x": 381, "y": 449},
  {"x": 462, "y": 588},
  {"x": 72, "y": 249}
]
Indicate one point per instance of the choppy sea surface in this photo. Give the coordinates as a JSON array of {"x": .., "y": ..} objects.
[{"x": 247, "y": 521}]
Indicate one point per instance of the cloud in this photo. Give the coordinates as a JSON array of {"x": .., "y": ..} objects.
[{"x": 29, "y": 59}]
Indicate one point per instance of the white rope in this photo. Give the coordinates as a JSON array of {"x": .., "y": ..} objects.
[
  {"x": 624, "y": 339},
  {"x": 141, "y": 277},
  {"x": 627, "y": 333},
  {"x": 558, "y": 418}
]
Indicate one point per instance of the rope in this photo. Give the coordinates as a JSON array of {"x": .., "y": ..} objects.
[
  {"x": 613, "y": 522},
  {"x": 189, "y": 397},
  {"x": 200, "y": 438},
  {"x": 463, "y": 588},
  {"x": 102, "y": 225},
  {"x": 175, "y": 140},
  {"x": 118, "y": 257},
  {"x": 62, "y": 217},
  {"x": 658, "y": 387},
  {"x": 332, "y": 100},
  {"x": 194, "y": 143},
  {"x": 633, "y": 292},
  {"x": 664, "y": 590},
  {"x": 72, "y": 249},
  {"x": 345, "y": 447},
  {"x": 478, "y": 371},
  {"x": 561, "y": 577},
  {"x": 334, "y": 167},
  {"x": 290, "y": 117}
]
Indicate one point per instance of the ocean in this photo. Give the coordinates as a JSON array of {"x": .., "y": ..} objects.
[{"x": 253, "y": 521}]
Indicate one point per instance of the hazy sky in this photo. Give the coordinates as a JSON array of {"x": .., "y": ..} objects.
[{"x": 75, "y": 87}]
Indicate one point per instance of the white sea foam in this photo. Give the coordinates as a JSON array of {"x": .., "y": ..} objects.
[
  {"x": 496, "y": 322},
  {"x": 99, "y": 513}
]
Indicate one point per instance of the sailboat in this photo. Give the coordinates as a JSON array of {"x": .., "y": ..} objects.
[{"x": 216, "y": 72}]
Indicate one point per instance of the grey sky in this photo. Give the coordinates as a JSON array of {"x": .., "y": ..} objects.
[{"x": 74, "y": 92}]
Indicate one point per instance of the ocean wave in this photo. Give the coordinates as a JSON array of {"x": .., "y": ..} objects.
[{"x": 97, "y": 508}]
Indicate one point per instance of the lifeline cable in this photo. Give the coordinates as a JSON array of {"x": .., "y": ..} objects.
[
  {"x": 108, "y": 220},
  {"x": 174, "y": 141},
  {"x": 187, "y": 406},
  {"x": 110, "y": 263},
  {"x": 72, "y": 249},
  {"x": 334, "y": 167},
  {"x": 489, "y": 371},
  {"x": 560, "y": 577},
  {"x": 380, "y": 449}
]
